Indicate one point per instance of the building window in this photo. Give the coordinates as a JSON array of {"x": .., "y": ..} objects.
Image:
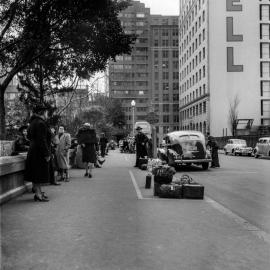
[
  {"x": 265, "y": 107},
  {"x": 156, "y": 43},
  {"x": 265, "y": 88},
  {"x": 265, "y": 69},
  {"x": 176, "y": 118},
  {"x": 156, "y": 54},
  {"x": 175, "y": 54},
  {"x": 165, "y": 86},
  {"x": 175, "y": 107},
  {"x": 165, "y": 54},
  {"x": 175, "y": 97},
  {"x": 165, "y": 75},
  {"x": 264, "y": 31},
  {"x": 264, "y": 12},
  {"x": 204, "y": 107},
  {"x": 166, "y": 118},
  {"x": 165, "y": 42},
  {"x": 166, "y": 107},
  {"x": 265, "y": 50},
  {"x": 140, "y": 15},
  {"x": 165, "y": 97}
]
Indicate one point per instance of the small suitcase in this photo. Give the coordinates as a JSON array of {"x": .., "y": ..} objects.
[
  {"x": 156, "y": 189},
  {"x": 171, "y": 191},
  {"x": 148, "y": 180},
  {"x": 193, "y": 191}
]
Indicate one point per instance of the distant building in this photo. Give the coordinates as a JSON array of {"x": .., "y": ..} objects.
[
  {"x": 150, "y": 74},
  {"x": 224, "y": 58},
  {"x": 164, "y": 76},
  {"x": 12, "y": 92}
]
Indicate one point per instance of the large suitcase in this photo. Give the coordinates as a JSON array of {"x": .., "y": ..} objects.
[
  {"x": 162, "y": 179},
  {"x": 193, "y": 191},
  {"x": 171, "y": 191}
]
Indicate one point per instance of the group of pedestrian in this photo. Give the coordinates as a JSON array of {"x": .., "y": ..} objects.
[{"x": 48, "y": 151}]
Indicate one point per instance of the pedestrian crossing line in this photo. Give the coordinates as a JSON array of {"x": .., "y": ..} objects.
[
  {"x": 137, "y": 189},
  {"x": 239, "y": 220}
]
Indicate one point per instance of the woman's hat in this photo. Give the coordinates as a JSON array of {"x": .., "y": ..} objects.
[
  {"x": 87, "y": 124},
  {"x": 138, "y": 128},
  {"x": 22, "y": 128}
]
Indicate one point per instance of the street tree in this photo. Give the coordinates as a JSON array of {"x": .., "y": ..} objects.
[
  {"x": 78, "y": 36},
  {"x": 233, "y": 114}
]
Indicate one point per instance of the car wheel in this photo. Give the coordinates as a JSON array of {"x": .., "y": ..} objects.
[{"x": 205, "y": 165}]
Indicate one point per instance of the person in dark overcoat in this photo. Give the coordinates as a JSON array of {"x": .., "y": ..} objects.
[
  {"x": 214, "y": 152},
  {"x": 87, "y": 138},
  {"x": 22, "y": 144},
  {"x": 140, "y": 142},
  {"x": 39, "y": 154},
  {"x": 103, "y": 142}
]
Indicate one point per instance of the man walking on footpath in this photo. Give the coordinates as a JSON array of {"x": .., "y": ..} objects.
[
  {"x": 140, "y": 142},
  {"x": 62, "y": 152},
  {"x": 103, "y": 142}
]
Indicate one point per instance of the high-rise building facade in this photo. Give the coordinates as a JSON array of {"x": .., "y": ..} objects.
[
  {"x": 164, "y": 99},
  {"x": 150, "y": 74},
  {"x": 224, "y": 64},
  {"x": 129, "y": 75}
]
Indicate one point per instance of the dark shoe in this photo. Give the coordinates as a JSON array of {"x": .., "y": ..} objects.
[
  {"x": 97, "y": 166},
  {"x": 44, "y": 195},
  {"x": 56, "y": 184},
  {"x": 40, "y": 199},
  {"x": 101, "y": 161},
  {"x": 86, "y": 174},
  {"x": 89, "y": 175},
  {"x": 213, "y": 167}
]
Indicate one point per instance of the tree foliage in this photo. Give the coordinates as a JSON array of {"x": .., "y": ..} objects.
[{"x": 68, "y": 37}]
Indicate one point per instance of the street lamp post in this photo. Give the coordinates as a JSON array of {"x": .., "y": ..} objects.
[{"x": 133, "y": 104}]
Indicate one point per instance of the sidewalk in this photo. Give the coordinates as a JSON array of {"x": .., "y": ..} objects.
[{"x": 100, "y": 224}]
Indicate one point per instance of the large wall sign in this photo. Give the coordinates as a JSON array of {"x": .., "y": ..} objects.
[{"x": 231, "y": 36}]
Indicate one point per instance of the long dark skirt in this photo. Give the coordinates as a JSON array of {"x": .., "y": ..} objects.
[{"x": 89, "y": 153}]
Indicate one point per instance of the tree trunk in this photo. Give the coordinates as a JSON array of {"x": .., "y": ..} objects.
[{"x": 2, "y": 116}]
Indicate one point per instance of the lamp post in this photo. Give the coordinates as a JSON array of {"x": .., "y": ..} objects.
[{"x": 133, "y": 104}]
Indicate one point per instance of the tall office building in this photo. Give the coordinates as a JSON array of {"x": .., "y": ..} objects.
[
  {"x": 150, "y": 74},
  {"x": 224, "y": 64},
  {"x": 129, "y": 75},
  {"x": 164, "y": 76}
]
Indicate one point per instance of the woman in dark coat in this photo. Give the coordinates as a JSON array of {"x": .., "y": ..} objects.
[
  {"x": 87, "y": 139},
  {"x": 214, "y": 152},
  {"x": 39, "y": 154}
]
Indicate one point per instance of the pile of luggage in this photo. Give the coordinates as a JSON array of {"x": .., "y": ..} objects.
[{"x": 168, "y": 186}]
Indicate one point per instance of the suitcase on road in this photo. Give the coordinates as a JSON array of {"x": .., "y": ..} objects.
[
  {"x": 148, "y": 180},
  {"x": 171, "y": 191},
  {"x": 193, "y": 191}
]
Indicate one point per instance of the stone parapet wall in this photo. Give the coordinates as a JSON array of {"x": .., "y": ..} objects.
[{"x": 12, "y": 177}]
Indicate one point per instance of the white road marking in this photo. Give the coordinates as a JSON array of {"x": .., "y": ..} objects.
[
  {"x": 239, "y": 220},
  {"x": 137, "y": 189}
]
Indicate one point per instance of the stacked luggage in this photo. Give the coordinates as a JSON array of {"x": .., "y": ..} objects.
[{"x": 165, "y": 186}]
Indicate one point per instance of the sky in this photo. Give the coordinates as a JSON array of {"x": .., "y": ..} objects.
[{"x": 162, "y": 7}]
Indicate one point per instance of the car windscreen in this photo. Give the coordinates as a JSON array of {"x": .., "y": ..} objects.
[{"x": 189, "y": 137}]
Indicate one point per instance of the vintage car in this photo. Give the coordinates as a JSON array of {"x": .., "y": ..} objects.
[
  {"x": 262, "y": 147},
  {"x": 185, "y": 148},
  {"x": 237, "y": 147}
]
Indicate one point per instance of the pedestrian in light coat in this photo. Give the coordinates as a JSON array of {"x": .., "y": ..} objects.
[{"x": 62, "y": 152}]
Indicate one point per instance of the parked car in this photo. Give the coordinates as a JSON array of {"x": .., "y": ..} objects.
[
  {"x": 185, "y": 148},
  {"x": 237, "y": 147},
  {"x": 262, "y": 147}
]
